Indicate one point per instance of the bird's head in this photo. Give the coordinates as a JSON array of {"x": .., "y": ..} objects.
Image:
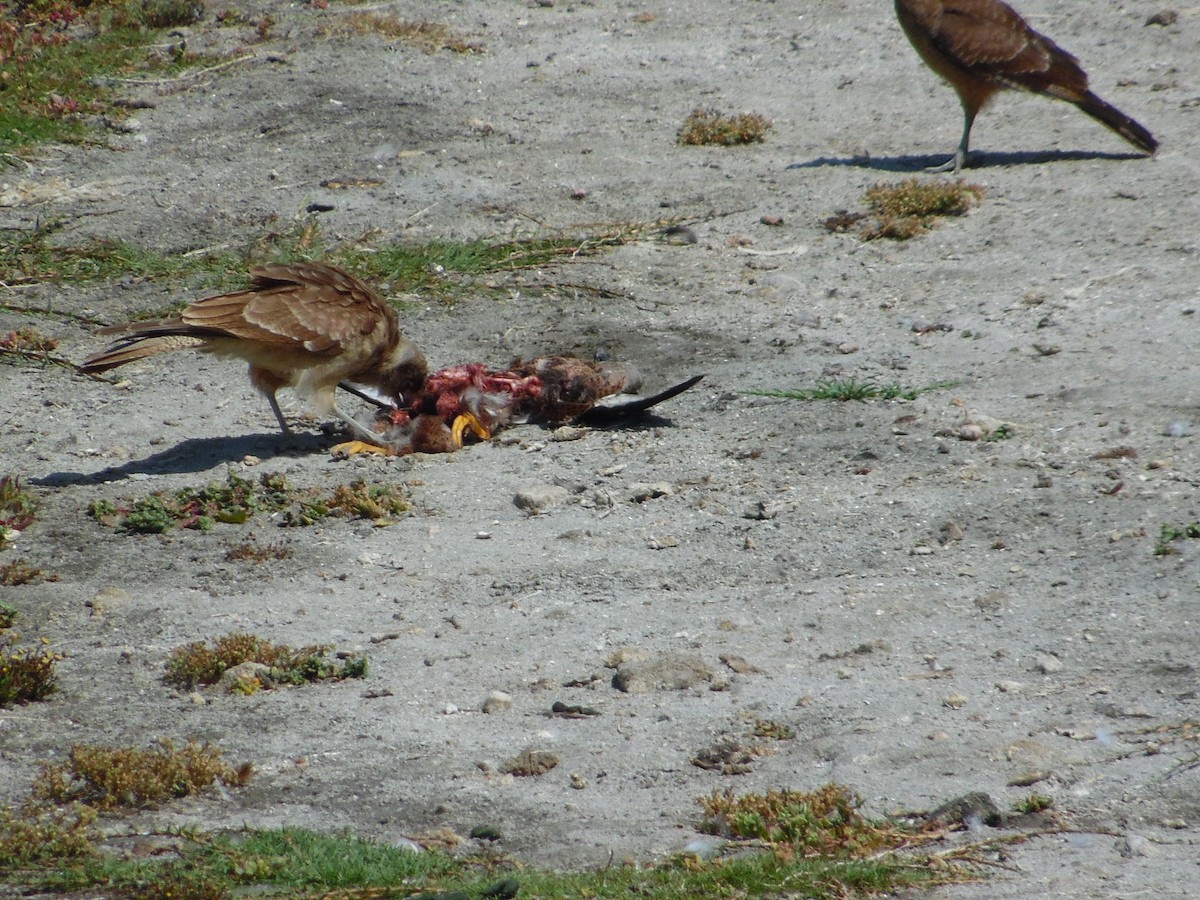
[{"x": 402, "y": 372}]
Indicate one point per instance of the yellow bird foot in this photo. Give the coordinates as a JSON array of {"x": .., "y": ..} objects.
[
  {"x": 466, "y": 420},
  {"x": 347, "y": 449}
]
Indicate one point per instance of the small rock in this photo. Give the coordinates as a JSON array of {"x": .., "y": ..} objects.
[
  {"x": 771, "y": 220},
  {"x": 970, "y": 432},
  {"x": 921, "y": 550},
  {"x": 1048, "y": 663},
  {"x": 704, "y": 847},
  {"x": 976, "y": 805},
  {"x": 662, "y": 543},
  {"x": 1164, "y": 17},
  {"x": 738, "y": 664},
  {"x": 528, "y": 763},
  {"x": 954, "y": 701},
  {"x": 1009, "y": 687},
  {"x": 1028, "y": 779},
  {"x": 536, "y": 498},
  {"x": 565, "y": 433},
  {"x": 1178, "y": 429},
  {"x": 245, "y": 676},
  {"x": 641, "y": 491},
  {"x": 761, "y": 510},
  {"x": 497, "y": 701},
  {"x": 1136, "y": 845},
  {"x": 578, "y": 782},
  {"x": 197, "y": 698},
  {"x": 449, "y": 709},
  {"x": 847, "y": 348},
  {"x": 952, "y": 531},
  {"x": 640, "y": 672}
]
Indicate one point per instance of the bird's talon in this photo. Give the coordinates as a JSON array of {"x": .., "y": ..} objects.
[
  {"x": 466, "y": 420},
  {"x": 347, "y": 449}
]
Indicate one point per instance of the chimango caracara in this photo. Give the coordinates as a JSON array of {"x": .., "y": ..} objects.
[
  {"x": 306, "y": 326},
  {"x": 983, "y": 46}
]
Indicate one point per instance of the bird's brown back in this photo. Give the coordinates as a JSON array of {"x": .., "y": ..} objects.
[
  {"x": 981, "y": 46},
  {"x": 301, "y": 308}
]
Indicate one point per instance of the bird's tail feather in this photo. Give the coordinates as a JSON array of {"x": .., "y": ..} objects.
[
  {"x": 134, "y": 348},
  {"x": 1122, "y": 124}
]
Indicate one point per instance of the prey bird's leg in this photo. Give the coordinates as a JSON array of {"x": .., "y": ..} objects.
[
  {"x": 363, "y": 395},
  {"x": 363, "y": 434}
]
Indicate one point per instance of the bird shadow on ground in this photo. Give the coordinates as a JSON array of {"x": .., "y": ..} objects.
[
  {"x": 975, "y": 160},
  {"x": 197, "y": 455}
]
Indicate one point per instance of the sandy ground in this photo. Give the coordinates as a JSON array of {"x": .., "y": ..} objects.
[{"x": 930, "y": 615}]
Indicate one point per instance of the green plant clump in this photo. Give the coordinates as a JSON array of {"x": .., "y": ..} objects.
[
  {"x": 198, "y": 663},
  {"x": 845, "y": 389},
  {"x": 709, "y": 126},
  {"x": 128, "y": 777}
]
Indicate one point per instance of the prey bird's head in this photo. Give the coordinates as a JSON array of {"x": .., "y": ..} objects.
[{"x": 402, "y": 371}]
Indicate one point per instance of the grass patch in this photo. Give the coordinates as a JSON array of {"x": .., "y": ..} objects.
[
  {"x": 239, "y": 499},
  {"x": 429, "y": 37},
  {"x": 106, "y": 778},
  {"x": 908, "y": 208},
  {"x": 26, "y": 675},
  {"x": 200, "y": 664},
  {"x": 711, "y": 127},
  {"x": 17, "y": 573},
  {"x": 1169, "y": 534},
  {"x": 60, "y": 57},
  {"x": 294, "y": 861},
  {"x": 845, "y": 389},
  {"x": 440, "y": 269},
  {"x": 17, "y": 508}
]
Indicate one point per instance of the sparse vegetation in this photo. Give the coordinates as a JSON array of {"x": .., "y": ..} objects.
[
  {"x": 238, "y": 499},
  {"x": 825, "y": 822},
  {"x": 1034, "y": 803},
  {"x": 908, "y": 208},
  {"x": 709, "y": 126},
  {"x": 26, "y": 675},
  {"x": 437, "y": 268},
  {"x": 60, "y": 57},
  {"x": 429, "y": 37},
  {"x": 200, "y": 664},
  {"x": 257, "y": 553},
  {"x": 39, "y": 834},
  {"x": 128, "y": 777},
  {"x": 294, "y": 862},
  {"x": 1169, "y": 534},
  {"x": 845, "y": 389},
  {"x": 17, "y": 508}
]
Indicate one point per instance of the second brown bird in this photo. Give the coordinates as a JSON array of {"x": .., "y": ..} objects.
[{"x": 983, "y": 46}]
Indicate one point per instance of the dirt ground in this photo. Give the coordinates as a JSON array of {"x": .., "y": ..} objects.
[{"x": 931, "y": 615}]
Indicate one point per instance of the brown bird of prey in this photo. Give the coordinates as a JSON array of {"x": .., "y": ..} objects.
[
  {"x": 983, "y": 46},
  {"x": 307, "y": 326}
]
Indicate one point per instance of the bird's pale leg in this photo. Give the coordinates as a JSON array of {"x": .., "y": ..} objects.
[
  {"x": 278, "y": 413},
  {"x": 959, "y": 158}
]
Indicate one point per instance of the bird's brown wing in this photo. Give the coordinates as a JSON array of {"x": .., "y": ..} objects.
[
  {"x": 315, "y": 306},
  {"x": 990, "y": 40}
]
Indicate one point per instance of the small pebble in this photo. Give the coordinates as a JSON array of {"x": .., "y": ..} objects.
[
  {"x": 970, "y": 432},
  {"x": 1047, "y": 663},
  {"x": 536, "y": 498},
  {"x": 1178, "y": 429},
  {"x": 497, "y": 701}
]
